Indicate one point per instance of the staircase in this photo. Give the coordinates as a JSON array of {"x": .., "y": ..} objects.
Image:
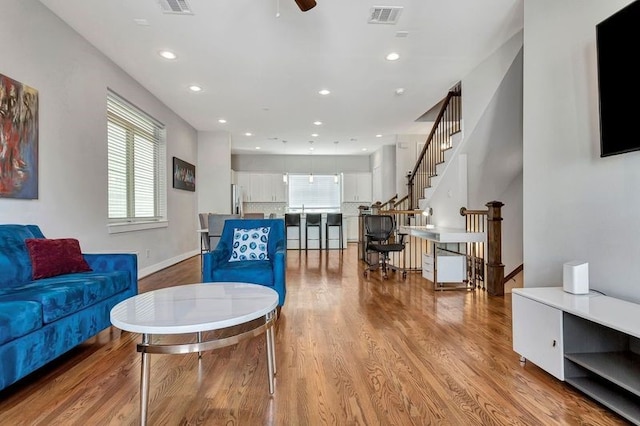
[
  {"x": 440, "y": 148},
  {"x": 441, "y": 145}
]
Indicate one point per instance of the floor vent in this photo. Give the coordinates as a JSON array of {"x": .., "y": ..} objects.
[
  {"x": 384, "y": 14},
  {"x": 181, "y": 7}
]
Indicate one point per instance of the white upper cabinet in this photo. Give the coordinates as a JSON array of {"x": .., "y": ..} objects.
[
  {"x": 262, "y": 187},
  {"x": 356, "y": 187}
]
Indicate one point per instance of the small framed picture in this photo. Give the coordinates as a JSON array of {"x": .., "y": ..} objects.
[{"x": 184, "y": 175}]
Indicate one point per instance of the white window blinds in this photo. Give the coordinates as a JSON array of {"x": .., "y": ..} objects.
[
  {"x": 137, "y": 166},
  {"x": 322, "y": 193}
]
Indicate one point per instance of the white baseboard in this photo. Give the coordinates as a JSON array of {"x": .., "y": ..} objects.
[{"x": 165, "y": 264}]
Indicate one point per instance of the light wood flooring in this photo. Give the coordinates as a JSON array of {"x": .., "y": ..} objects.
[{"x": 350, "y": 351}]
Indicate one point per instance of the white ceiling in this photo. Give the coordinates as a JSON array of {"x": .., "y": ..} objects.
[{"x": 262, "y": 73}]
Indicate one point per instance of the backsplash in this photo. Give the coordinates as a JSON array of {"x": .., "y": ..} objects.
[{"x": 279, "y": 209}]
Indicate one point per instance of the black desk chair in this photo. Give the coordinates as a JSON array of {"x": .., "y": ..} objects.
[
  {"x": 333, "y": 219},
  {"x": 313, "y": 220},
  {"x": 380, "y": 230},
  {"x": 293, "y": 220}
]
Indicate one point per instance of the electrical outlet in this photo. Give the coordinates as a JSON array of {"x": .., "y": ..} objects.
[{"x": 148, "y": 253}]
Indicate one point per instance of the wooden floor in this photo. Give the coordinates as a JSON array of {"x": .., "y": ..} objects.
[{"x": 350, "y": 351}]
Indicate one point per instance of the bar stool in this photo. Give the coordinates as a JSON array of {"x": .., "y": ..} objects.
[
  {"x": 313, "y": 220},
  {"x": 293, "y": 220},
  {"x": 333, "y": 219}
]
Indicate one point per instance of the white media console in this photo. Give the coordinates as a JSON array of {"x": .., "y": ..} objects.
[{"x": 591, "y": 341}]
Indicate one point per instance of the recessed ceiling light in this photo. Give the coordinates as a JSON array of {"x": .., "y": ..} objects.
[
  {"x": 141, "y": 21},
  {"x": 222, "y": 120},
  {"x": 167, "y": 54},
  {"x": 378, "y": 136},
  {"x": 195, "y": 88},
  {"x": 364, "y": 149},
  {"x": 314, "y": 135},
  {"x": 324, "y": 92},
  {"x": 257, "y": 147},
  {"x": 399, "y": 91},
  {"x": 248, "y": 134},
  {"x": 318, "y": 123},
  {"x": 393, "y": 56}
]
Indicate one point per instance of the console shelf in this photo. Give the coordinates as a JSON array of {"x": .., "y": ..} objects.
[
  {"x": 621, "y": 403},
  {"x": 590, "y": 341},
  {"x": 620, "y": 368}
]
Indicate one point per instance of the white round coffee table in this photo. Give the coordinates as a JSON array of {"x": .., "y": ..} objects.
[{"x": 196, "y": 308}]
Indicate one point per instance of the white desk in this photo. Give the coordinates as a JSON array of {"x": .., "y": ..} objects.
[
  {"x": 444, "y": 235},
  {"x": 196, "y": 308},
  {"x": 447, "y": 267}
]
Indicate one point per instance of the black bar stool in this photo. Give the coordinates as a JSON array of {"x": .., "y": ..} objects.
[
  {"x": 333, "y": 219},
  {"x": 293, "y": 220},
  {"x": 313, "y": 219}
]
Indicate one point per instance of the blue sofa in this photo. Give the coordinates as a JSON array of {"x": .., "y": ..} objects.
[
  {"x": 44, "y": 318},
  {"x": 272, "y": 272}
]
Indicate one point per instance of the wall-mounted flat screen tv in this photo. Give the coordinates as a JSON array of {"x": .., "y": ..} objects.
[{"x": 617, "y": 44}]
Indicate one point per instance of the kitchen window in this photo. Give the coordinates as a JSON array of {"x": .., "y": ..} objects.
[{"x": 321, "y": 194}]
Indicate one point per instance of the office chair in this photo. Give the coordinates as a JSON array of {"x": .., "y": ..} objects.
[{"x": 379, "y": 231}]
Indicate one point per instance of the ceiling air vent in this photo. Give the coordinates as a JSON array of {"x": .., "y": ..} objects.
[
  {"x": 176, "y": 6},
  {"x": 384, "y": 14}
]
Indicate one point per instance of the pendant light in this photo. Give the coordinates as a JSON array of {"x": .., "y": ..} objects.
[
  {"x": 336, "y": 179},
  {"x": 285, "y": 176},
  {"x": 311, "y": 160}
]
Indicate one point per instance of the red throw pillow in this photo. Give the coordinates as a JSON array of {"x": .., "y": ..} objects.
[{"x": 55, "y": 257}]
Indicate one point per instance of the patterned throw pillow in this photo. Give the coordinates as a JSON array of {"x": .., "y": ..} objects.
[{"x": 250, "y": 244}]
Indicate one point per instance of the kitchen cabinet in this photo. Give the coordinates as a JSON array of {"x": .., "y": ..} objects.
[
  {"x": 356, "y": 187},
  {"x": 262, "y": 187},
  {"x": 352, "y": 228}
]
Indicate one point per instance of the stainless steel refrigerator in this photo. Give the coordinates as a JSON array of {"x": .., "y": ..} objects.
[{"x": 236, "y": 199}]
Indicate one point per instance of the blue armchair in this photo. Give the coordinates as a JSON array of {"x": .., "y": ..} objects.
[{"x": 271, "y": 272}]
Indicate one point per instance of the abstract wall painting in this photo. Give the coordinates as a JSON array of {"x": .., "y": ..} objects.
[
  {"x": 18, "y": 140},
  {"x": 184, "y": 175}
]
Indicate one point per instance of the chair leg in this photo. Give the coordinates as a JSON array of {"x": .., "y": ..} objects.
[{"x": 326, "y": 237}]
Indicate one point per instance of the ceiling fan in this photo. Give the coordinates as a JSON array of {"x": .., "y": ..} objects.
[{"x": 305, "y": 5}]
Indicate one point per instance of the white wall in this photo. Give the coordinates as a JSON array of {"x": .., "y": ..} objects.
[
  {"x": 577, "y": 206},
  {"x": 325, "y": 164},
  {"x": 489, "y": 162},
  {"x": 214, "y": 172},
  {"x": 383, "y": 169},
  {"x": 493, "y": 116},
  {"x": 451, "y": 195},
  {"x": 406, "y": 157},
  {"x": 72, "y": 78}
]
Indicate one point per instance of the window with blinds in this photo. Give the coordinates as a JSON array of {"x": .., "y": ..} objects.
[
  {"x": 322, "y": 193},
  {"x": 136, "y": 157}
]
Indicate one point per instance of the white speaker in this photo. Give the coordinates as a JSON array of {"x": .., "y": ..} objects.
[{"x": 575, "y": 277}]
